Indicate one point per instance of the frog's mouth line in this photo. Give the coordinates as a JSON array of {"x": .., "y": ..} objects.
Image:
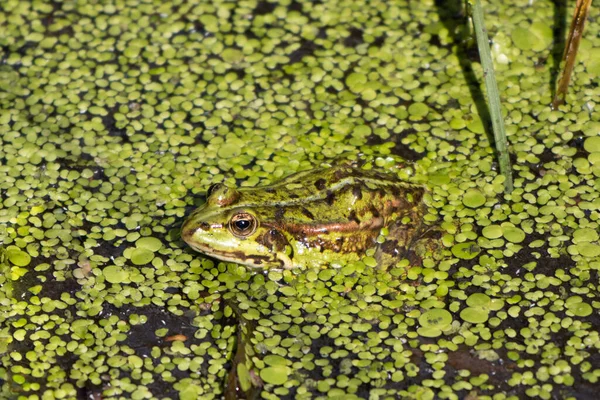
[{"x": 237, "y": 257}]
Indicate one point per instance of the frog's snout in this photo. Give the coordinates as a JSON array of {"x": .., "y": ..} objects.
[{"x": 187, "y": 231}]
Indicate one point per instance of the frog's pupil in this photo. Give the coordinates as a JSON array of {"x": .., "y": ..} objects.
[{"x": 242, "y": 224}]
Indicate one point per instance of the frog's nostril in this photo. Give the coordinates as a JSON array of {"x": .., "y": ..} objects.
[{"x": 189, "y": 228}]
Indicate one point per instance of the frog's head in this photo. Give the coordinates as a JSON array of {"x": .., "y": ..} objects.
[{"x": 229, "y": 230}]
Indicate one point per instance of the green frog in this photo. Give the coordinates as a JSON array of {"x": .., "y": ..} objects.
[{"x": 310, "y": 219}]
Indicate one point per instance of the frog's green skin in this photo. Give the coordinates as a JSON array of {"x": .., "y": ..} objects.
[{"x": 308, "y": 219}]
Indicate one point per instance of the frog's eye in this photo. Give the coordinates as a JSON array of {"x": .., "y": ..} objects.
[
  {"x": 242, "y": 225},
  {"x": 213, "y": 188}
]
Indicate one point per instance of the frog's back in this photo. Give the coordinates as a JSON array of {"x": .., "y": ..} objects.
[
  {"x": 340, "y": 209},
  {"x": 328, "y": 184}
]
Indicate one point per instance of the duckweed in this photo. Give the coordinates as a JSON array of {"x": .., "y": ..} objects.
[
  {"x": 276, "y": 375},
  {"x": 513, "y": 234},
  {"x": 115, "y": 118},
  {"x": 473, "y": 198},
  {"x": 536, "y": 37},
  {"x": 433, "y": 322},
  {"x": 115, "y": 274},
  {"x": 466, "y": 251},
  {"x": 150, "y": 243},
  {"x": 140, "y": 255},
  {"x": 592, "y": 144}
]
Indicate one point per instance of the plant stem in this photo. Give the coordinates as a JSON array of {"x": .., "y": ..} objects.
[
  {"x": 575, "y": 33},
  {"x": 492, "y": 95}
]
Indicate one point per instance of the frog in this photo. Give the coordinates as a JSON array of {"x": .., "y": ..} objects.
[{"x": 328, "y": 214}]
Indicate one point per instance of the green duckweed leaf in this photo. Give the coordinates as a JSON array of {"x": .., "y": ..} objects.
[
  {"x": 418, "y": 110},
  {"x": 579, "y": 308},
  {"x": 141, "y": 256},
  {"x": 513, "y": 234},
  {"x": 466, "y": 250},
  {"x": 276, "y": 375},
  {"x": 149, "y": 243},
  {"x": 588, "y": 249},
  {"x": 537, "y": 37},
  {"x": 433, "y": 322},
  {"x": 232, "y": 56},
  {"x": 17, "y": 257},
  {"x": 275, "y": 360},
  {"x": 592, "y": 144},
  {"x": 473, "y": 198},
  {"x": 474, "y": 315},
  {"x": 492, "y": 231},
  {"x": 115, "y": 274},
  {"x": 478, "y": 300},
  {"x": 356, "y": 82}
]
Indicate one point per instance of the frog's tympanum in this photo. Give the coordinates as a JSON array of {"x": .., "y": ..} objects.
[{"x": 309, "y": 219}]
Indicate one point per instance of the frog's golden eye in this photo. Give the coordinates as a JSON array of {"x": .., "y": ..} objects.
[{"x": 243, "y": 224}]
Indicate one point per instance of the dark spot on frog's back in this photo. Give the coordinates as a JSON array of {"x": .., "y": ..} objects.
[
  {"x": 279, "y": 213},
  {"x": 341, "y": 173},
  {"x": 307, "y": 213},
  {"x": 320, "y": 184},
  {"x": 330, "y": 199},
  {"x": 357, "y": 192},
  {"x": 374, "y": 212},
  {"x": 352, "y": 217},
  {"x": 396, "y": 191},
  {"x": 339, "y": 242}
]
